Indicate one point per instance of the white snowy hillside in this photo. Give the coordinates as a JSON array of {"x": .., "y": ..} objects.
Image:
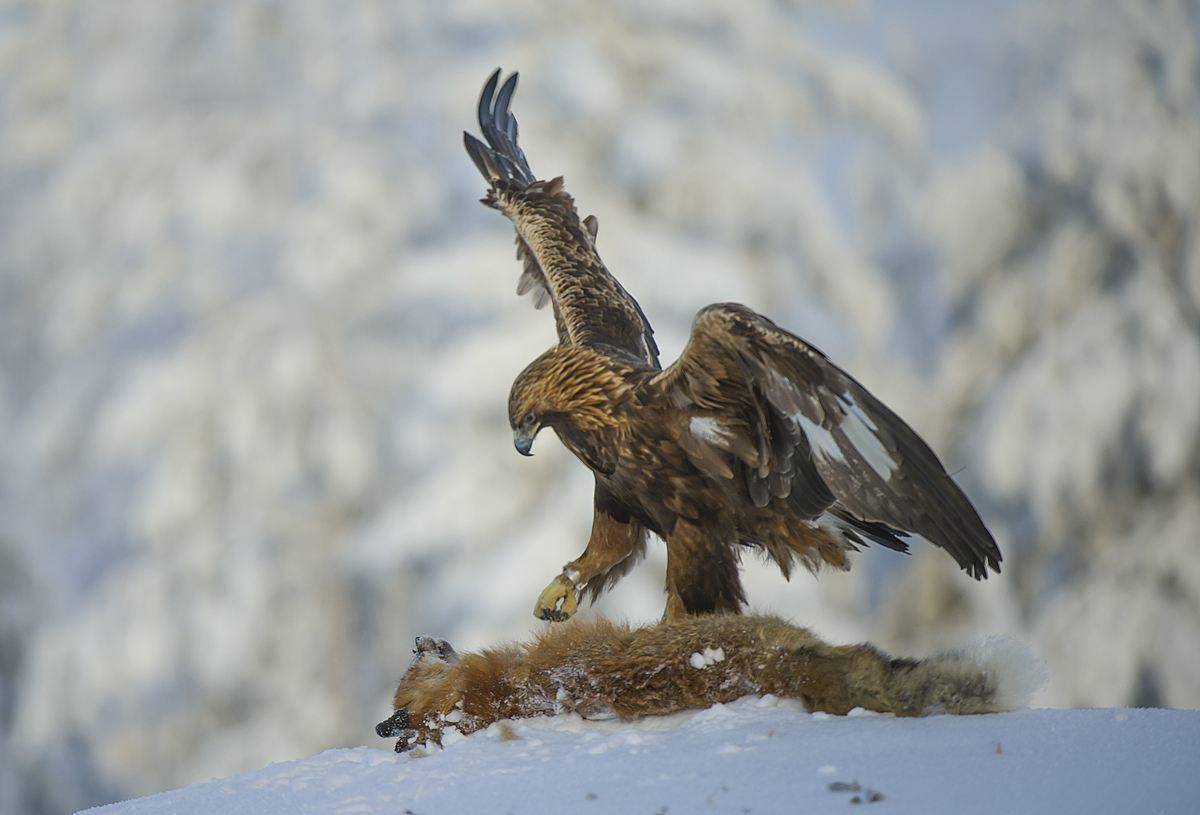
[
  {"x": 752, "y": 757},
  {"x": 257, "y": 337}
]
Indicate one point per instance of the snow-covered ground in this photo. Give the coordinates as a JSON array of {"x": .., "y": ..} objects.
[{"x": 756, "y": 756}]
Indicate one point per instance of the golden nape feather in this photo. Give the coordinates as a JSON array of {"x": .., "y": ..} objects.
[{"x": 752, "y": 438}]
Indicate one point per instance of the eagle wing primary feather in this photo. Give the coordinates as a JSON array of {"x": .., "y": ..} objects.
[
  {"x": 784, "y": 409},
  {"x": 561, "y": 265}
]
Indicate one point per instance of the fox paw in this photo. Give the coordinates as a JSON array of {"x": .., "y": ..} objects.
[
  {"x": 558, "y": 601},
  {"x": 397, "y": 726},
  {"x": 407, "y": 733}
]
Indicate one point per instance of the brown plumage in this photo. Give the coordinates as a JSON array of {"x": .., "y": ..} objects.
[
  {"x": 752, "y": 438},
  {"x": 598, "y": 669}
]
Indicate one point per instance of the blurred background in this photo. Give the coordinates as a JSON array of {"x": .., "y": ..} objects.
[{"x": 257, "y": 334}]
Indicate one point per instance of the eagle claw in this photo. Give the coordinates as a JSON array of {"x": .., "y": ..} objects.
[{"x": 558, "y": 601}]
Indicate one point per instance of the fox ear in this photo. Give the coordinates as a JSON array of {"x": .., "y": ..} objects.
[{"x": 431, "y": 649}]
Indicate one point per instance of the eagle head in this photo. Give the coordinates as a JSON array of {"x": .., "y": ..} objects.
[{"x": 572, "y": 389}]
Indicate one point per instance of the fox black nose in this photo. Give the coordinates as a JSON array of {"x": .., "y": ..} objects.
[{"x": 392, "y": 725}]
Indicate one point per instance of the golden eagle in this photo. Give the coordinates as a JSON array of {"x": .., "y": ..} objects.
[{"x": 752, "y": 438}]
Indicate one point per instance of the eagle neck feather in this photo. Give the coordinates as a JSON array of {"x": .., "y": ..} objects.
[{"x": 587, "y": 387}]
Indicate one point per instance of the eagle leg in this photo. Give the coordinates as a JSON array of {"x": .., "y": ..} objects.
[
  {"x": 702, "y": 573},
  {"x": 617, "y": 543}
]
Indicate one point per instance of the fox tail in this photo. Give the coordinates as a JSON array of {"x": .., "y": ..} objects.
[{"x": 992, "y": 675}]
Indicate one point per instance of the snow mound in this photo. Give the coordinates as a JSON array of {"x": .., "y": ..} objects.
[{"x": 760, "y": 755}]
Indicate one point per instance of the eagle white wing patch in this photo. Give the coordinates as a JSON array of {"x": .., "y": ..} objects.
[
  {"x": 859, "y": 431},
  {"x": 822, "y": 441},
  {"x": 708, "y": 429},
  {"x": 863, "y": 434}
]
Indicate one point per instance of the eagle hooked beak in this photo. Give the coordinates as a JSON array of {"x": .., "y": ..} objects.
[{"x": 523, "y": 438}]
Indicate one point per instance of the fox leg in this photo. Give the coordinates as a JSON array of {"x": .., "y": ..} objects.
[
  {"x": 702, "y": 573},
  {"x": 616, "y": 543}
]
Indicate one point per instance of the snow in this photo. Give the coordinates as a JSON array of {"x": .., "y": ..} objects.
[
  {"x": 709, "y": 656},
  {"x": 756, "y": 755}
]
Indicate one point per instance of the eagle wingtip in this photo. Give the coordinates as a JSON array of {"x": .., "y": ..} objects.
[
  {"x": 485, "y": 97},
  {"x": 986, "y": 566},
  {"x": 500, "y": 160}
]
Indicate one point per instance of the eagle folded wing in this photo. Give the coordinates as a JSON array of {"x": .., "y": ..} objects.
[
  {"x": 752, "y": 391},
  {"x": 561, "y": 265}
]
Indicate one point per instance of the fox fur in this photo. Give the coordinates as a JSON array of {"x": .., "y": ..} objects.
[{"x": 598, "y": 668}]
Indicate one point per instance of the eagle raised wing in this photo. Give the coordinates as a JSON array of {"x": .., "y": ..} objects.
[
  {"x": 755, "y": 393},
  {"x": 558, "y": 249}
]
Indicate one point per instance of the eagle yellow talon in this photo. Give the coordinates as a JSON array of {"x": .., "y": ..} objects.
[{"x": 558, "y": 601}]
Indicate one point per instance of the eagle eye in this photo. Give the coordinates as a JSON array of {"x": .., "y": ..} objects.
[{"x": 528, "y": 420}]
